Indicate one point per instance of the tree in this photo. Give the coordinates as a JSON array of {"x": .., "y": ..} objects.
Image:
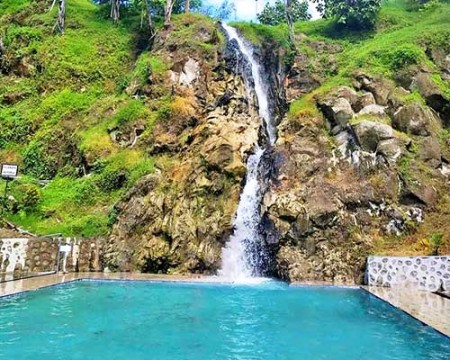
[
  {"x": 290, "y": 22},
  {"x": 284, "y": 12},
  {"x": 225, "y": 10},
  {"x": 187, "y": 6},
  {"x": 168, "y": 13},
  {"x": 357, "y": 14},
  {"x": 60, "y": 21},
  {"x": 115, "y": 10}
]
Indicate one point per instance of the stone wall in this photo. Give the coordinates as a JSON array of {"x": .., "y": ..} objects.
[
  {"x": 23, "y": 256},
  {"x": 429, "y": 273}
]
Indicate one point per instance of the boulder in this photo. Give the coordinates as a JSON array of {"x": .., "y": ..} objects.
[
  {"x": 373, "y": 110},
  {"x": 433, "y": 95},
  {"x": 417, "y": 192},
  {"x": 379, "y": 87},
  {"x": 342, "y": 111},
  {"x": 396, "y": 99},
  {"x": 348, "y": 94},
  {"x": 390, "y": 149},
  {"x": 322, "y": 207},
  {"x": 414, "y": 119},
  {"x": 363, "y": 100},
  {"x": 293, "y": 264},
  {"x": 430, "y": 151},
  {"x": 289, "y": 216},
  {"x": 370, "y": 134}
]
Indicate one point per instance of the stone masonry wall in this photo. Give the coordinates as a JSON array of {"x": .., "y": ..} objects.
[
  {"x": 429, "y": 273},
  {"x": 22, "y": 256}
]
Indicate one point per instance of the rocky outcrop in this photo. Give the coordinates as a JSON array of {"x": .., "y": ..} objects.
[
  {"x": 366, "y": 162},
  {"x": 333, "y": 196},
  {"x": 177, "y": 221},
  {"x": 415, "y": 119},
  {"x": 432, "y": 94}
]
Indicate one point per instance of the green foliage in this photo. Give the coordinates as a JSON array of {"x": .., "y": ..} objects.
[
  {"x": 276, "y": 14},
  {"x": 359, "y": 14},
  {"x": 37, "y": 162},
  {"x": 436, "y": 242},
  {"x": 131, "y": 111},
  {"x": 110, "y": 180},
  {"x": 260, "y": 34},
  {"x": 423, "y": 5},
  {"x": 12, "y": 6},
  {"x": 405, "y": 55}
]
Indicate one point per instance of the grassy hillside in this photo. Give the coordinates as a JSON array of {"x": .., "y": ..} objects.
[{"x": 62, "y": 100}]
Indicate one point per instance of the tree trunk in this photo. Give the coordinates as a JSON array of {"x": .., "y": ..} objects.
[
  {"x": 187, "y": 6},
  {"x": 168, "y": 13},
  {"x": 60, "y": 22},
  {"x": 150, "y": 24},
  {"x": 290, "y": 24},
  {"x": 115, "y": 10},
  {"x": 149, "y": 14},
  {"x": 2, "y": 51}
]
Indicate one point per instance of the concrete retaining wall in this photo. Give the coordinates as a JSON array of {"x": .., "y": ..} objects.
[{"x": 429, "y": 273}]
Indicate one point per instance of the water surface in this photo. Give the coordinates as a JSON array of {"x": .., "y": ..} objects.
[{"x": 144, "y": 320}]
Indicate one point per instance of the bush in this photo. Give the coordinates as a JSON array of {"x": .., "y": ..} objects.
[
  {"x": 357, "y": 14},
  {"x": 110, "y": 180},
  {"x": 27, "y": 196},
  {"x": 404, "y": 56},
  {"x": 276, "y": 14},
  {"x": 37, "y": 162}
]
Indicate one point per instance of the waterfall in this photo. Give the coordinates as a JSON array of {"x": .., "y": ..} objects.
[
  {"x": 260, "y": 86},
  {"x": 243, "y": 253}
]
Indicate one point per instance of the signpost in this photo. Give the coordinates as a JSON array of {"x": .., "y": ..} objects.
[{"x": 8, "y": 172}]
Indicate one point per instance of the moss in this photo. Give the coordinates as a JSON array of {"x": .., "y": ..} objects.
[{"x": 260, "y": 34}]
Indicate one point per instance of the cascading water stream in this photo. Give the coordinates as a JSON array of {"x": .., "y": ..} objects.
[
  {"x": 260, "y": 88},
  {"x": 241, "y": 255}
]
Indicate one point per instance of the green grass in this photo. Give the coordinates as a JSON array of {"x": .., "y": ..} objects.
[{"x": 65, "y": 104}]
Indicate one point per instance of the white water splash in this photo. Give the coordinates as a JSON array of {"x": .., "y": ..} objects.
[
  {"x": 239, "y": 256},
  {"x": 236, "y": 260}
]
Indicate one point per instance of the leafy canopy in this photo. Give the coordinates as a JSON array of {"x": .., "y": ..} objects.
[
  {"x": 358, "y": 14},
  {"x": 276, "y": 14}
]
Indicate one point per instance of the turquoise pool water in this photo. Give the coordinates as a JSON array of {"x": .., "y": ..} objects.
[{"x": 142, "y": 320}]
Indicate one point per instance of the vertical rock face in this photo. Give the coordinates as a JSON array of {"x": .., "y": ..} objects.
[
  {"x": 362, "y": 163},
  {"x": 179, "y": 219},
  {"x": 335, "y": 193}
]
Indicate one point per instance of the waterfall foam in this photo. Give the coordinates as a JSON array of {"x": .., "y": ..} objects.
[
  {"x": 243, "y": 252},
  {"x": 260, "y": 87}
]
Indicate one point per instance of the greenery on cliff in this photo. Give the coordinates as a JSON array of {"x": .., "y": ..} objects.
[
  {"x": 70, "y": 115},
  {"x": 64, "y": 98}
]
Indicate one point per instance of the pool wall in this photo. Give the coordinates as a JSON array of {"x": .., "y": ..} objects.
[
  {"x": 35, "y": 255},
  {"x": 429, "y": 273}
]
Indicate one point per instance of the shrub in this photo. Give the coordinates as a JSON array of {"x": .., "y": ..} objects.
[
  {"x": 276, "y": 14},
  {"x": 404, "y": 56},
  {"x": 436, "y": 242},
  {"x": 358, "y": 14},
  {"x": 37, "y": 162},
  {"x": 27, "y": 196},
  {"x": 110, "y": 180}
]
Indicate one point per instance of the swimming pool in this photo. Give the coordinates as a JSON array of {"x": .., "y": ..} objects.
[{"x": 152, "y": 320}]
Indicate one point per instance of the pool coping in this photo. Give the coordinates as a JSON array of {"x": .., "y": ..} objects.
[{"x": 414, "y": 303}]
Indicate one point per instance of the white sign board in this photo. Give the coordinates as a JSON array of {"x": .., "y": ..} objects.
[
  {"x": 65, "y": 248},
  {"x": 9, "y": 171}
]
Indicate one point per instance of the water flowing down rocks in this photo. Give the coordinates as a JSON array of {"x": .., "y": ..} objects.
[
  {"x": 246, "y": 254},
  {"x": 244, "y": 189}
]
